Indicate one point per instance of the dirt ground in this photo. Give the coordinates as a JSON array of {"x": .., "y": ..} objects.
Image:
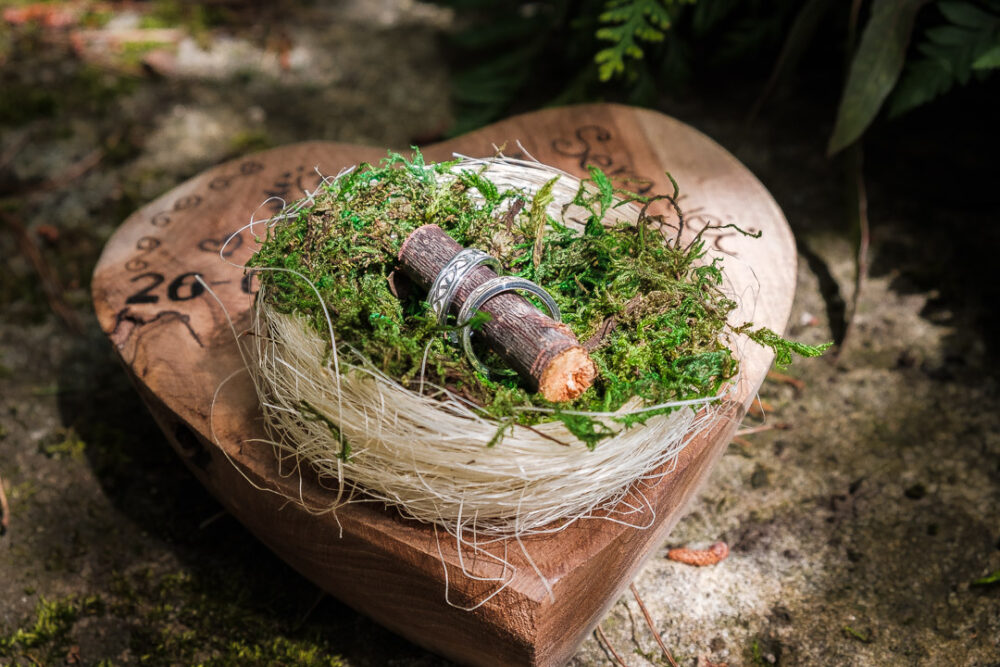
[{"x": 858, "y": 531}]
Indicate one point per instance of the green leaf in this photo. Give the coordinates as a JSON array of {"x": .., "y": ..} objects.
[
  {"x": 988, "y": 579},
  {"x": 988, "y": 60},
  {"x": 967, "y": 45},
  {"x": 799, "y": 38},
  {"x": 874, "y": 69},
  {"x": 964, "y": 14},
  {"x": 922, "y": 82}
]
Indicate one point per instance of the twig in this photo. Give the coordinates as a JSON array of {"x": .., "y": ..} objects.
[
  {"x": 854, "y": 158},
  {"x": 14, "y": 148},
  {"x": 611, "y": 649},
  {"x": 700, "y": 557},
  {"x": 742, "y": 442},
  {"x": 305, "y": 617},
  {"x": 796, "y": 383},
  {"x": 545, "y": 435},
  {"x": 50, "y": 284},
  {"x": 212, "y": 519},
  {"x": 72, "y": 172},
  {"x": 652, "y": 625},
  {"x": 750, "y": 430},
  {"x": 759, "y": 408},
  {"x": 859, "y": 196},
  {"x": 4, "y": 510},
  {"x": 704, "y": 661}
]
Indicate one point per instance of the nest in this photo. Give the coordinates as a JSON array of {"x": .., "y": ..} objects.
[{"x": 432, "y": 453}]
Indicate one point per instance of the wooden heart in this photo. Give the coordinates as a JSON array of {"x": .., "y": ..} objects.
[{"x": 177, "y": 346}]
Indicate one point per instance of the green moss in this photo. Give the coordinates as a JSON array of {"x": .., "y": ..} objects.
[
  {"x": 657, "y": 299},
  {"x": 48, "y": 633},
  {"x": 251, "y": 141},
  {"x": 177, "y": 618},
  {"x": 197, "y": 18},
  {"x": 193, "y": 619},
  {"x": 68, "y": 444}
]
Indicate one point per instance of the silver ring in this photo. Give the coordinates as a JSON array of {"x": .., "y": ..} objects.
[
  {"x": 478, "y": 298},
  {"x": 446, "y": 282}
]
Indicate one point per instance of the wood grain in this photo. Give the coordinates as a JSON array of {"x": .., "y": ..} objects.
[{"x": 177, "y": 345}]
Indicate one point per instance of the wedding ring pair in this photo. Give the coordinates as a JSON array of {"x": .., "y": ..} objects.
[{"x": 446, "y": 285}]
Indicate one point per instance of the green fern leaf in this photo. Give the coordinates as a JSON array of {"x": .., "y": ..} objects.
[
  {"x": 967, "y": 45},
  {"x": 627, "y": 22}
]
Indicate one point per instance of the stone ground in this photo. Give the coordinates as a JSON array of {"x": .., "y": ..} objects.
[{"x": 856, "y": 533}]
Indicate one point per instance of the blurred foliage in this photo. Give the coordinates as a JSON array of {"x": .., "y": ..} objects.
[
  {"x": 524, "y": 54},
  {"x": 962, "y": 47}
]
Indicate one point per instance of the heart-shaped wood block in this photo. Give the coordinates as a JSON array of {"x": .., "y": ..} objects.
[{"x": 177, "y": 345}]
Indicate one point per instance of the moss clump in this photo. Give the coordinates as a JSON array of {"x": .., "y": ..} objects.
[
  {"x": 49, "y": 632},
  {"x": 650, "y": 305},
  {"x": 178, "y": 618}
]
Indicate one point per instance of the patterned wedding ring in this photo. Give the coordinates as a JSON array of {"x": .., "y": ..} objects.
[
  {"x": 478, "y": 298},
  {"x": 446, "y": 282}
]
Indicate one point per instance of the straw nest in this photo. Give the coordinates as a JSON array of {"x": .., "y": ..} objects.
[{"x": 426, "y": 451}]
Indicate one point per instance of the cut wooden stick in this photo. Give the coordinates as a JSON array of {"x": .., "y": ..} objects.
[{"x": 542, "y": 351}]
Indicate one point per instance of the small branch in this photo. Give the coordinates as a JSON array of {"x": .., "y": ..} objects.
[
  {"x": 544, "y": 435},
  {"x": 859, "y": 204},
  {"x": 597, "y": 340},
  {"x": 742, "y": 442},
  {"x": 759, "y": 408},
  {"x": 212, "y": 519},
  {"x": 312, "y": 607},
  {"x": 4, "y": 510},
  {"x": 14, "y": 148},
  {"x": 50, "y": 284},
  {"x": 780, "y": 426},
  {"x": 72, "y": 172},
  {"x": 607, "y": 644},
  {"x": 652, "y": 625},
  {"x": 795, "y": 383}
]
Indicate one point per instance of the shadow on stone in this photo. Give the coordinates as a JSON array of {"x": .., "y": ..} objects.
[{"x": 234, "y": 587}]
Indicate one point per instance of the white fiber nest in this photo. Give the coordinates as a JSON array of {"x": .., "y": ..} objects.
[{"x": 425, "y": 451}]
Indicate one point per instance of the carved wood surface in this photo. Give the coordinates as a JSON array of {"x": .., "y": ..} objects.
[{"x": 179, "y": 349}]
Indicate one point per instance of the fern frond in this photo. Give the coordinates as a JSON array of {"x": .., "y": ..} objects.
[
  {"x": 626, "y": 23},
  {"x": 966, "y": 45}
]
